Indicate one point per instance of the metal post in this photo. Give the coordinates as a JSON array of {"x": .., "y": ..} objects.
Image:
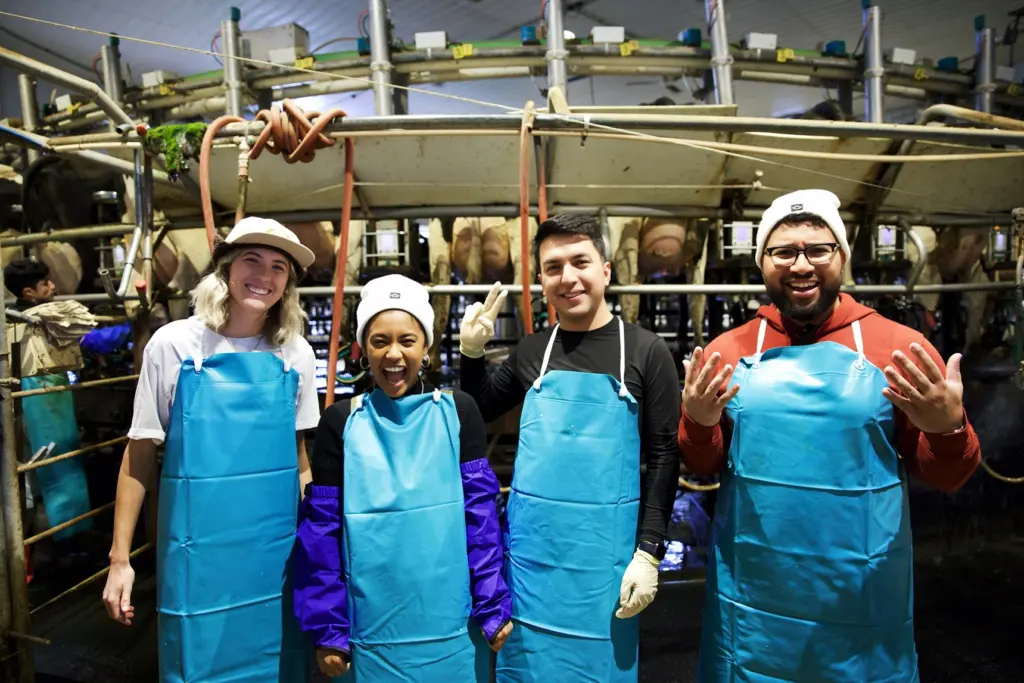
[
  {"x": 874, "y": 68},
  {"x": 233, "y": 79},
  {"x": 380, "y": 59},
  {"x": 29, "y": 110},
  {"x": 111, "y": 58},
  {"x": 984, "y": 66},
  {"x": 557, "y": 54},
  {"x": 721, "y": 59},
  {"x": 13, "y": 532}
]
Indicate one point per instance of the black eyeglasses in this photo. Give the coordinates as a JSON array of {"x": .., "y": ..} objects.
[{"x": 817, "y": 254}]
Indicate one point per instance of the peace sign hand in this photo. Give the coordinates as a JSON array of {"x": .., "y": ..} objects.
[
  {"x": 478, "y": 322},
  {"x": 932, "y": 403},
  {"x": 701, "y": 401}
]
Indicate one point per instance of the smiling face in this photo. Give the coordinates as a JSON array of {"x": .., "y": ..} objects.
[
  {"x": 573, "y": 276},
  {"x": 257, "y": 279},
  {"x": 395, "y": 346},
  {"x": 807, "y": 289}
]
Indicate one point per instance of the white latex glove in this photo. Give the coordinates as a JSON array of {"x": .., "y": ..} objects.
[
  {"x": 478, "y": 323},
  {"x": 639, "y": 585}
]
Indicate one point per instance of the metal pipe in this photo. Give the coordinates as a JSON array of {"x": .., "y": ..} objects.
[
  {"x": 113, "y": 84},
  {"x": 71, "y": 454},
  {"x": 234, "y": 82},
  {"x": 984, "y": 68},
  {"x": 380, "y": 64},
  {"x": 70, "y": 523},
  {"x": 92, "y": 579},
  {"x": 556, "y": 54},
  {"x": 575, "y": 122},
  {"x": 721, "y": 59},
  {"x": 140, "y": 224},
  {"x": 10, "y": 494},
  {"x": 867, "y": 290},
  {"x": 80, "y": 85},
  {"x": 29, "y": 638},
  {"x": 922, "y": 253},
  {"x": 73, "y": 387},
  {"x": 874, "y": 68},
  {"x": 35, "y": 141},
  {"x": 29, "y": 109},
  {"x": 65, "y": 235}
]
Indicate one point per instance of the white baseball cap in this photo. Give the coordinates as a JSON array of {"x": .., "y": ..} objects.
[
  {"x": 267, "y": 232},
  {"x": 820, "y": 203},
  {"x": 394, "y": 292}
]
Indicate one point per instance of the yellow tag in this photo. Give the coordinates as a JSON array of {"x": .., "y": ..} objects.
[
  {"x": 467, "y": 49},
  {"x": 166, "y": 89},
  {"x": 784, "y": 54},
  {"x": 920, "y": 75},
  {"x": 73, "y": 108},
  {"x": 625, "y": 49},
  {"x": 305, "y": 63},
  {"x": 1013, "y": 89},
  {"x": 635, "y": 44}
]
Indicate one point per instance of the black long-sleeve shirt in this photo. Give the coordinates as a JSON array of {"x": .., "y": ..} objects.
[
  {"x": 651, "y": 379},
  {"x": 328, "y": 461}
]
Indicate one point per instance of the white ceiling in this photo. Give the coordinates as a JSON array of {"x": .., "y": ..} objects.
[{"x": 934, "y": 28}]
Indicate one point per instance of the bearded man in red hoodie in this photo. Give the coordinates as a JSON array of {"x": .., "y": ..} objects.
[{"x": 815, "y": 413}]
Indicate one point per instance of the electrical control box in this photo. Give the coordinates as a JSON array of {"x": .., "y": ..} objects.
[
  {"x": 286, "y": 55},
  {"x": 432, "y": 40},
  {"x": 901, "y": 55},
  {"x": 738, "y": 239},
  {"x": 761, "y": 41},
  {"x": 258, "y": 44},
  {"x": 1006, "y": 74},
  {"x": 608, "y": 34},
  {"x": 63, "y": 102},
  {"x": 153, "y": 79}
]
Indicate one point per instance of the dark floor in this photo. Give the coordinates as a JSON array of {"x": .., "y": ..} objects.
[{"x": 969, "y": 603}]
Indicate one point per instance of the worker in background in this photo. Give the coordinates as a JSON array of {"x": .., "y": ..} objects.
[
  {"x": 29, "y": 281},
  {"x": 596, "y": 393},
  {"x": 229, "y": 391},
  {"x": 403, "y": 491},
  {"x": 815, "y": 413},
  {"x": 58, "y": 492}
]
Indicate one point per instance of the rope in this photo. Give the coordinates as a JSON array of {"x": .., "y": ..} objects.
[
  {"x": 1000, "y": 477},
  {"x": 697, "y": 487}
]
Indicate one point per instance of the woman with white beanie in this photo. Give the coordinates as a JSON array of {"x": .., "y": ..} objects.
[
  {"x": 399, "y": 548},
  {"x": 229, "y": 391}
]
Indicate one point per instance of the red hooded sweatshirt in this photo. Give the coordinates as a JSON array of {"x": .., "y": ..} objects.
[{"x": 944, "y": 461}]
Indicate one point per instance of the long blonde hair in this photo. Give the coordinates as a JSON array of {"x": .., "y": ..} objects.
[{"x": 211, "y": 298}]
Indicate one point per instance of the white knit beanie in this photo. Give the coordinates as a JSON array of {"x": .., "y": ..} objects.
[
  {"x": 821, "y": 203},
  {"x": 394, "y": 292}
]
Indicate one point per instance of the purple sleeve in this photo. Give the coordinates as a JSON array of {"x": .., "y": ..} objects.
[
  {"x": 492, "y": 603},
  {"x": 320, "y": 594}
]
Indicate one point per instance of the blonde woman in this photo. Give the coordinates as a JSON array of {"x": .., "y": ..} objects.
[{"x": 229, "y": 391}]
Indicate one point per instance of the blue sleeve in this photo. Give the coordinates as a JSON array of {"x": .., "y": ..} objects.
[{"x": 492, "y": 602}]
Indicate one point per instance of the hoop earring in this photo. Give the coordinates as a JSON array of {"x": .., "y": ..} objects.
[
  {"x": 363, "y": 367},
  {"x": 426, "y": 362}
]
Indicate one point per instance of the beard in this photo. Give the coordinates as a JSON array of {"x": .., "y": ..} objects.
[{"x": 828, "y": 292}]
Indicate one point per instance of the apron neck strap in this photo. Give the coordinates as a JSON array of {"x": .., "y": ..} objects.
[
  {"x": 760, "y": 341},
  {"x": 198, "y": 362},
  {"x": 858, "y": 341},
  {"x": 622, "y": 359}
]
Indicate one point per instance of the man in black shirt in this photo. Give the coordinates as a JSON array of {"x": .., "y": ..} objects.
[{"x": 595, "y": 392}]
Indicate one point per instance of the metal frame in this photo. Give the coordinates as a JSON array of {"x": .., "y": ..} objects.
[{"x": 215, "y": 93}]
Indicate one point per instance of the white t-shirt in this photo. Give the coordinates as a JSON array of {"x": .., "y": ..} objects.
[{"x": 178, "y": 340}]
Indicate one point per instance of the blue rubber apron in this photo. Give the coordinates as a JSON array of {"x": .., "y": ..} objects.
[
  {"x": 229, "y": 495},
  {"x": 811, "y": 578},
  {"x": 50, "y": 418},
  {"x": 404, "y": 544},
  {"x": 572, "y": 529}
]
